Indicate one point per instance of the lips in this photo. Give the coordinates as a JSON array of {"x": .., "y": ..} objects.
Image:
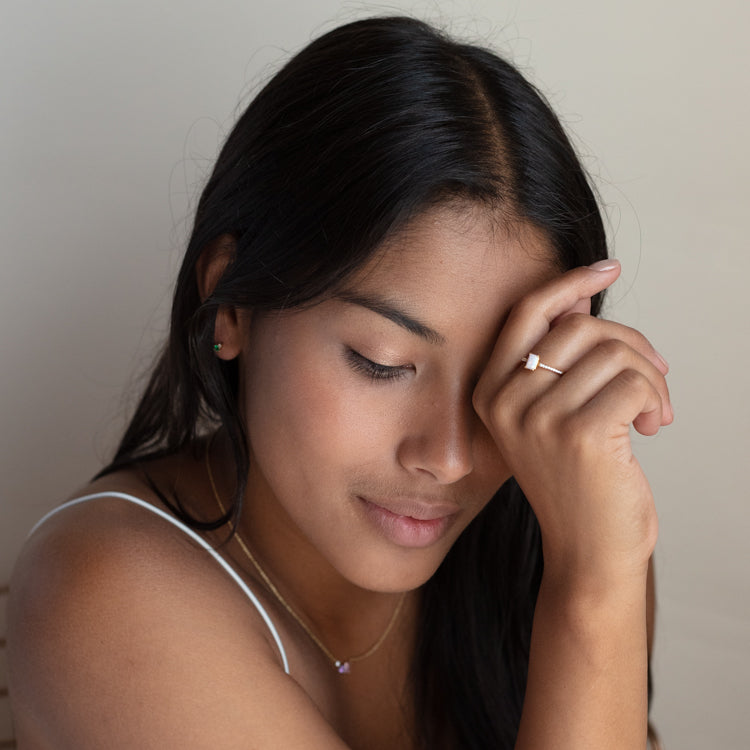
[
  {"x": 410, "y": 522},
  {"x": 417, "y": 509}
]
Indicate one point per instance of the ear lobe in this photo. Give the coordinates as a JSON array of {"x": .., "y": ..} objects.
[{"x": 230, "y": 331}]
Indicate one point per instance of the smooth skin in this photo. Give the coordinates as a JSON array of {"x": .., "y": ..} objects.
[{"x": 123, "y": 634}]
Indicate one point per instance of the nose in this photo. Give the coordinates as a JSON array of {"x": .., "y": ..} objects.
[{"x": 438, "y": 440}]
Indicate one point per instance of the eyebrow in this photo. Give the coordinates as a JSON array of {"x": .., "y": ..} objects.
[{"x": 393, "y": 313}]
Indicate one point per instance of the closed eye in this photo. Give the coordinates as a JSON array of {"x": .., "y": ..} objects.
[{"x": 374, "y": 370}]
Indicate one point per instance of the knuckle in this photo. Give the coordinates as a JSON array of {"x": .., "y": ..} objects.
[
  {"x": 492, "y": 408},
  {"x": 639, "y": 340},
  {"x": 615, "y": 349},
  {"x": 577, "y": 324},
  {"x": 580, "y": 434},
  {"x": 538, "y": 419},
  {"x": 525, "y": 307},
  {"x": 574, "y": 424},
  {"x": 633, "y": 379},
  {"x": 501, "y": 415},
  {"x": 479, "y": 400}
]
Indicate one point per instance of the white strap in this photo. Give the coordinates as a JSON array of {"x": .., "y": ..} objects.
[{"x": 196, "y": 538}]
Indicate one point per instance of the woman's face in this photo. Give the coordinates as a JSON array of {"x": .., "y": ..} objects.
[{"x": 365, "y": 447}]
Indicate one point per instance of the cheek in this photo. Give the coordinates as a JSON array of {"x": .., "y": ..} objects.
[{"x": 307, "y": 415}]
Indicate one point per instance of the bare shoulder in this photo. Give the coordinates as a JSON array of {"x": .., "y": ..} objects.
[{"x": 124, "y": 633}]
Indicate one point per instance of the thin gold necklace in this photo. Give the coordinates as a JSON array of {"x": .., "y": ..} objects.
[{"x": 341, "y": 666}]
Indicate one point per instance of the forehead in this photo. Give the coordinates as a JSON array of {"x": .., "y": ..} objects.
[{"x": 459, "y": 260}]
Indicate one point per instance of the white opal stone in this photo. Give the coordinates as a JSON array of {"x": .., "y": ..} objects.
[{"x": 532, "y": 362}]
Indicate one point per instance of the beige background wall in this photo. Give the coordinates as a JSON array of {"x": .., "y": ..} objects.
[{"x": 110, "y": 115}]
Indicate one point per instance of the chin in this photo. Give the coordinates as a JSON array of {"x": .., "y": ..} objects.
[{"x": 391, "y": 569}]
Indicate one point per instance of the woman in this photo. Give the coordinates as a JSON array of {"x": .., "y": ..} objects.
[{"x": 382, "y": 397}]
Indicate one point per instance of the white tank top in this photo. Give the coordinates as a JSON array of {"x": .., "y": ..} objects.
[{"x": 196, "y": 538}]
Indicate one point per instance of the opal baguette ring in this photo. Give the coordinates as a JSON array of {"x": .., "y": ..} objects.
[{"x": 532, "y": 362}]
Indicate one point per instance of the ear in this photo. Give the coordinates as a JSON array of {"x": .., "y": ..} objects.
[
  {"x": 212, "y": 263},
  {"x": 229, "y": 326}
]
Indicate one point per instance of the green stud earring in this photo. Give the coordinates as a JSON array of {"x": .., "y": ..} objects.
[{"x": 217, "y": 346}]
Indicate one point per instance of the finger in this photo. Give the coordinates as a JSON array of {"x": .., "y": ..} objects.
[
  {"x": 595, "y": 370},
  {"x": 568, "y": 341},
  {"x": 583, "y": 306},
  {"x": 565, "y": 348},
  {"x": 531, "y": 319},
  {"x": 629, "y": 398}
]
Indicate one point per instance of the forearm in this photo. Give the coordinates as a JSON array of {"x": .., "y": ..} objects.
[{"x": 587, "y": 683}]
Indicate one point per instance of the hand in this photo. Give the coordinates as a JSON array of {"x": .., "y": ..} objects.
[{"x": 567, "y": 438}]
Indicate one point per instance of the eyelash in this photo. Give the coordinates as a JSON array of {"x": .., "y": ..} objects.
[{"x": 373, "y": 370}]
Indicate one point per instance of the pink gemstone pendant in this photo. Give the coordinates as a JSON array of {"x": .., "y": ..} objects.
[{"x": 343, "y": 667}]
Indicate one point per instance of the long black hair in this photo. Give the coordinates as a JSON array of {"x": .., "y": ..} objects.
[{"x": 361, "y": 131}]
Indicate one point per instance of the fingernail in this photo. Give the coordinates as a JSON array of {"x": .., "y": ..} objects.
[{"x": 605, "y": 265}]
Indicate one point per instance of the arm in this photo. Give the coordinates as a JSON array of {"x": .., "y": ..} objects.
[
  {"x": 567, "y": 442},
  {"x": 120, "y": 635},
  {"x": 587, "y": 670},
  {"x": 587, "y": 652}
]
